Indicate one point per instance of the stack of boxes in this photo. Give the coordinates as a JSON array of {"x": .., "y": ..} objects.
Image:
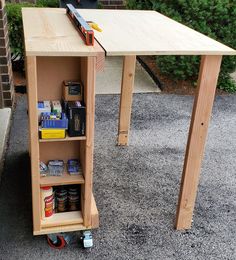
[
  {"x": 57, "y": 117},
  {"x": 73, "y": 100},
  {"x": 53, "y": 123}
]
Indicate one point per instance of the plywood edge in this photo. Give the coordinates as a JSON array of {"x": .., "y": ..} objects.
[
  {"x": 98, "y": 51},
  {"x": 172, "y": 37},
  {"x": 94, "y": 213},
  {"x": 64, "y": 218},
  {"x": 65, "y": 179},
  {"x": 66, "y": 139},
  {"x": 165, "y": 53},
  {"x": 58, "y": 229}
]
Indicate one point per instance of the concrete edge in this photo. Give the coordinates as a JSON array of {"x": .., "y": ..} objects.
[{"x": 5, "y": 123}]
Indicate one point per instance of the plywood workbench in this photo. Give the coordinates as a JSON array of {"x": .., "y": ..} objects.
[{"x": 54, "y": 48}]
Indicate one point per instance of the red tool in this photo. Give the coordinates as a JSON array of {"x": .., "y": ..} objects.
[{"x": 85, "y": 30}]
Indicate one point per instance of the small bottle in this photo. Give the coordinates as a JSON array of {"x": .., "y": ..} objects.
[{"x": 47, "y": 201}]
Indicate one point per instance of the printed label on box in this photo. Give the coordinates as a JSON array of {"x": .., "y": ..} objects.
[{"x": 74, "y": 90}]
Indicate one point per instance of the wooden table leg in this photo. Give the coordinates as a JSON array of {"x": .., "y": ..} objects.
[
  {"x": 127, "y": 86},
  {"x": 209, "y": 71},
  {"x": 88, "y": 74}
]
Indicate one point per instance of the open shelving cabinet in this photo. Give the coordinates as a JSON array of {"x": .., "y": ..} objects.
[
  {"x": 54, "y": 53},
  {"x": 45, "y": 76}
]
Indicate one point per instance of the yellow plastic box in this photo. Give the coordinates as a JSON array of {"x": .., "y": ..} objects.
[{"x": 51, "y": 133}]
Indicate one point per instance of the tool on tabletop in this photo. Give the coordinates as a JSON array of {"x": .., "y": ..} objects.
[
  {"x": 82, "y": 26},
  {"x": 94, "y": 25},
  {"x": 86, "y": 32}
]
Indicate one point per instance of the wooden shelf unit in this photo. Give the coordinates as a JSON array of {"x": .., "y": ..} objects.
[
  {"x": 54, "y": 53},
  {"x": 45, "y": 77}
]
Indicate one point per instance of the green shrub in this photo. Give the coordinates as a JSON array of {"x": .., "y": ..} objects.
[
  {"x": 15, "y": 25},
  {"x": 215, "y": 18},
  {"x": 100, "y": 5},
  {"x": 48, "y": 3}
]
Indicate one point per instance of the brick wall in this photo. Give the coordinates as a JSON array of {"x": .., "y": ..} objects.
[
  {"x": 113, "y": 4},
  {"x": 6, "y": 78}
]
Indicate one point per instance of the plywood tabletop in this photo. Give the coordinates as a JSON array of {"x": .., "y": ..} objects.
[
  {"x": 49, "y": 32},
  {"x": 132, "y": 32}
]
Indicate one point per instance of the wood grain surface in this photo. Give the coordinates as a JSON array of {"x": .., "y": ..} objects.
[
  {"x": 49, "y": 32},
  {"x": 132, "y": 32}
]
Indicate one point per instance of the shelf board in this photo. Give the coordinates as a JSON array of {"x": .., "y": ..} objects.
[
  {"x": 52, "y": 226},
  {"x": 62, "y": 219},
  {"x": 66, "y": 139},
  {"x": 65, "y": 179}
]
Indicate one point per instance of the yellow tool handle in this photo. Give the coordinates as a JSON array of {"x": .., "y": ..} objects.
[{"x": 94, "y": 26}]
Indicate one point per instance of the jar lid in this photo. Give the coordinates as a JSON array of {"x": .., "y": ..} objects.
[{"x": 46, "y": 188}]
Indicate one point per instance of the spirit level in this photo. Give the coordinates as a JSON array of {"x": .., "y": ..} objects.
[{"x": 85, "y": 30}]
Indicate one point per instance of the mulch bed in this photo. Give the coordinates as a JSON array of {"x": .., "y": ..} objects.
[{"x": 169, "y": 86}]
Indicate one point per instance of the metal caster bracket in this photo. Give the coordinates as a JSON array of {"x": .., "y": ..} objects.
[
  {"x": 87, "y": 239},
  {"x": 59, "y": 240}
]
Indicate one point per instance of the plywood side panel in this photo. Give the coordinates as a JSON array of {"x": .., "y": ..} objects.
[
  {"x": 31, "y": 74},
  {"x": 83, "y": 77},
  {"x": 52, "y": 71}
]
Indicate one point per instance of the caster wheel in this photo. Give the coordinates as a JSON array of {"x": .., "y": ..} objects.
[
  {"x": 87, "y": 239},
  {"x": 57, "y": 242}
]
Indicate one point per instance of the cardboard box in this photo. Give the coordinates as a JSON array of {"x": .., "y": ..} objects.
[
  {"x": 43, "y": 107},
  {"x": 56, "y": 106},
  {"x": 72, "y": 91},
  {"x": 76, "y": 114},
  {"x": 48, "y": 133}
]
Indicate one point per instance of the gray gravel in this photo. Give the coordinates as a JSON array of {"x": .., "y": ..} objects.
[{"x": 136, "y": 187}]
